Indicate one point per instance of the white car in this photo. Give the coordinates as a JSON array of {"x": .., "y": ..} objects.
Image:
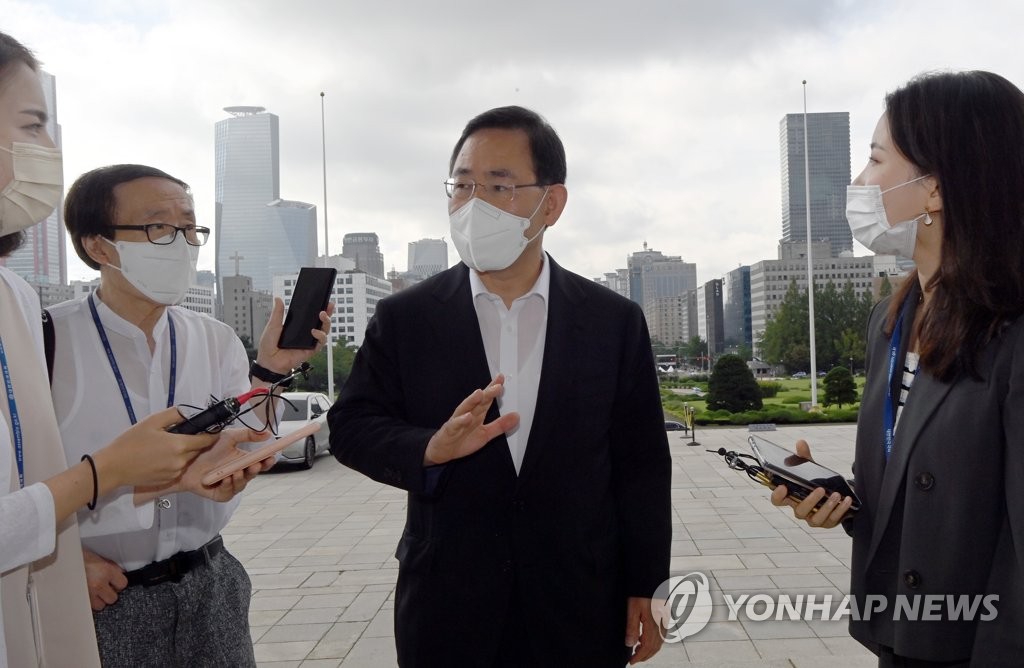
[{"x": 304, "y": 407}]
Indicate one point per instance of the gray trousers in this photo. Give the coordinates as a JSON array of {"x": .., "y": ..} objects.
[{"x": 203, "y": 620}]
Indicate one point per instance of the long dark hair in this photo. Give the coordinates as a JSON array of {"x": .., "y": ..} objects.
[
  {"x": 13, "y": 52},
  {"x": 967, "y": 130}
]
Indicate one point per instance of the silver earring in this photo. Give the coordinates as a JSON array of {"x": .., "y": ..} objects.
[{"x": 927, "y": 218}]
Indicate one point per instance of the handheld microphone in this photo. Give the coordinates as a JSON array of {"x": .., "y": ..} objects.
[{"x": 218, "y": 415}]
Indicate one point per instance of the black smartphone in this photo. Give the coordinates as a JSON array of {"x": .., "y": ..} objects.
[
  {"x": 800, "y": 476},
  {"x": 311, "y": 295}
]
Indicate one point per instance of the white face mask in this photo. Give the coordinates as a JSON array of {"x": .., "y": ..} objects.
[
  {"x": 488, "y": 238},
  {"x": 36, "y": 189},
  {"x": 162, "y": 273},
  {"x": 865, "y": 213}
]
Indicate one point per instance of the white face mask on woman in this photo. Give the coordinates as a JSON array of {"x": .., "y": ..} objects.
[
  {"x": 488, "y": 238},
  {"x": 36, "y": 188},
  {"x": 865, "y": 213},
  {"x": 163, "y": 273}
]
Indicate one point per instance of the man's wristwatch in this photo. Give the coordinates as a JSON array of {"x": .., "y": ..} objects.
[{"x": 268, "y": 376}]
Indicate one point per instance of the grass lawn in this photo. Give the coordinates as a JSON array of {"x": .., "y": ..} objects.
[{"x": 792, "y": 392}]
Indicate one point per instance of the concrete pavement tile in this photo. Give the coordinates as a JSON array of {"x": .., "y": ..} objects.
[
  {"x": 721, "y": 650},
  {"x": 311, "y": 616},
  {"x": 869, "y": 661},
  {"x": 829, "y": 629},
  {"x": 780, "y": 648},
  {"x": 719, "y": 631},
  {"x": 784, "y": 560},
  {"x": 704, "y": 564},
  {"x": 747, "y": 529},
  {"x": 372, "y": 653},
  {"x": 296, "y": 632},
  {"x": 320, "y": 663},
  {"x": 324, "y": 578},
  {"x": 280, "y": 581},
  {"x": 382, "y": 626},
  {"x": 367, "y": 577},
  {"x": 365, "y": 607},
  {"x": 265, "y": 617},
  {"x": 335, "y": 601},
  {"x": 338, "y": 641},
  {"x": 771, "y": 628},
  {"x": 847, "y": 646},
  {"x": 684, "y": 548},
  {"x": 273, "y": 602},
  {"x": 379, "y": 587},
  {"x": 282, "y": 651},
  {"x": 789, "y": 581}
]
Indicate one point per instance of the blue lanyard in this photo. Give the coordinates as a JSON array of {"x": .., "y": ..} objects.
[
  {"x": 117, "y": 372},
  {"x": 19, "y": 451},
  {"x": 889, "y": 427}
]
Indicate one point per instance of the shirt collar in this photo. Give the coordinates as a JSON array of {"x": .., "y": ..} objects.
[
  {"x": 541, "y": 287},
  {"x": 116, "y": 323}
]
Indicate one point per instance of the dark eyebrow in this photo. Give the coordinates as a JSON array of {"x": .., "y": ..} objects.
[
  {"x": 153, "y": 213},
  {"x": 38, "y": 113},
  {"x": 875, "y": 145}
]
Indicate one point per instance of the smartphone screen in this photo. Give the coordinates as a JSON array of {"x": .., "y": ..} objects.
[
  {"x": 793, "y": 468},
  {"x": 311, "y": 295}
]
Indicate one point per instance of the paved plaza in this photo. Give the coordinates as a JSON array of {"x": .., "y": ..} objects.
[{"x": 319, "y": 546}]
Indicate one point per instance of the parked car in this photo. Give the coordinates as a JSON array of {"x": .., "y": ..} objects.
[
  {"x": 300, "y": 409},
  {"x": 672, "y": 425},
  {"x": 799, "y": 374}
]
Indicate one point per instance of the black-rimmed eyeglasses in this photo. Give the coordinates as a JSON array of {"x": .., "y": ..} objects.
[{"x": 163, "y": 234}]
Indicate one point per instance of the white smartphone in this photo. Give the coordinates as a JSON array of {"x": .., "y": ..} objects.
[{"x": 239, "y": 462}]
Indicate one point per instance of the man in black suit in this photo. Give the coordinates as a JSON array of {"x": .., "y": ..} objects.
[{"x": 539, "y": 520}]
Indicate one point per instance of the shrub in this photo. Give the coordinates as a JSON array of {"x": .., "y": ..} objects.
[{"x": 732, "y": 386}]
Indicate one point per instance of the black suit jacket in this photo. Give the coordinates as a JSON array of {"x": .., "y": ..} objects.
[
  {"x": 552, "y": 553},
  {"x": 945, "y": 515}
]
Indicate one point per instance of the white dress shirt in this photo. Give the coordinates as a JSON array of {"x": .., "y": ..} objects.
[
  {"x": 211, "y": 361},
  {"x": 514, "y": 342}
]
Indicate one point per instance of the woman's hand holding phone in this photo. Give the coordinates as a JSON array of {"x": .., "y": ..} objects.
[{"x": 831, "y": 512}]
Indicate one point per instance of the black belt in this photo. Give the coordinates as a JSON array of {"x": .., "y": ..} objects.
[{"x": 174, "y": 567}]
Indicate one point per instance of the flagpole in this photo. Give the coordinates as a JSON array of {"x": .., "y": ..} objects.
[
  {"x": 810, "y": 258},
  {"x": 327, "y": 253}
]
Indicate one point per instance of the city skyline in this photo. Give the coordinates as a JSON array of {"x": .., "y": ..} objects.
[{"x": 669, "y": 115}]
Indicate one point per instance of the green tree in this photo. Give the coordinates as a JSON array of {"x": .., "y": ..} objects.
[
  {"x": 885, "y": 289},
  {"x": 840, "y": 388},
  {"x": 840, "y": 320},
  {"x": 344, "y": 356},
  {"x": 732, "y": 386},
  {"x": 785, "y": 339}
]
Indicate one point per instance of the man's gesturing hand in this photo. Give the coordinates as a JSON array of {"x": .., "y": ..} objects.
[{"x": 465, "y": 432}]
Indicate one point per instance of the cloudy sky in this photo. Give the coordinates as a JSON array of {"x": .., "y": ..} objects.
[{"x": 669, "y": 109}]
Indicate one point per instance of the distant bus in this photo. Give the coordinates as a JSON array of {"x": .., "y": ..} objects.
[{"x": 666, "y": 363}]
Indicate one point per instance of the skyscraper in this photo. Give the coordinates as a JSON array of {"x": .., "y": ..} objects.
[
  {"x": 736, "y": 308},
  {"x": 364, "y": 249},
  {"x": 42, "y": 260},
  {"x": 828, "y": 138},
  {"x": 256, "y": 232},
  {"x": 653, "y": 275},
  {"x": 427, "y": 257}
]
